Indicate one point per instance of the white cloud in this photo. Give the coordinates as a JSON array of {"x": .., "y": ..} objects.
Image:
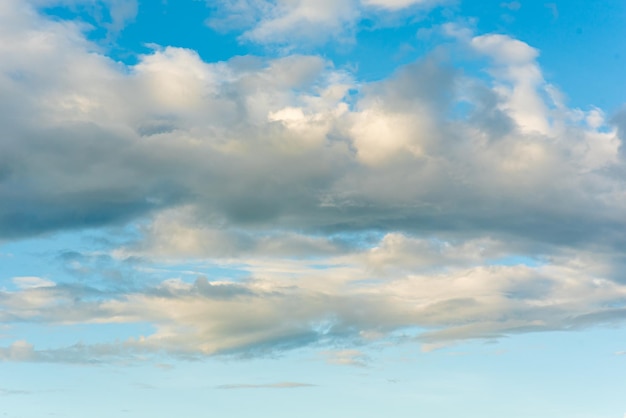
[
  {"x": 285, "y": 22},
  {"x": 517, "y": 68},
  {"x": 379, "y": 135},
  {"x": 31, "y": 282},
  {"x": 305, "y": 19},
  {"x": 302, "y": 22}
]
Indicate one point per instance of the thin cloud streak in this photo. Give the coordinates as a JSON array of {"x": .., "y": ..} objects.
[{"x": 282, "y": 385}]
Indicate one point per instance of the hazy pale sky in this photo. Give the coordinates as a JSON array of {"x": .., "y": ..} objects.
[{"x": 341, "y": 208}]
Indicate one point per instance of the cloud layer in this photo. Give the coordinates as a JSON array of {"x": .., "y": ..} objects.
[{"x": 460, "y": 206}]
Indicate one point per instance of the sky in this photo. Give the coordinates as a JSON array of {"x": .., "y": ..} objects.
[{"x": 269, "y": 208}]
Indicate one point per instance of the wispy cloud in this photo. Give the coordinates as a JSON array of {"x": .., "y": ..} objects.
[
  {"x": 282, "y": 385},
  {"x": 288, "y": 304},
  {"x": 10, "y": 392},
  {"x": 347, "y": 357},
  {"x": 513, "y": 5},
  {"x": 287, "y": 23}
]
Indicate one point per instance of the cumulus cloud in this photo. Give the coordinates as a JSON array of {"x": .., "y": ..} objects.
[
  {"x": 245, "y": 145},
  {"x": 354, "y": 210}
]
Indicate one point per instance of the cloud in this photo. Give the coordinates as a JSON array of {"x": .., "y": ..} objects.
[
  {"x": 350, "y": 210},
  {"x": 285, "y": 22},
  {"x": 243, "y": 145},
  {"x": 355, "y": 298},
  {"x": 289, "y": 23},
  {"x": 347, "y": 358},
  {"x": 31, "y": 282},
  {"x": 282, "y": 385}
]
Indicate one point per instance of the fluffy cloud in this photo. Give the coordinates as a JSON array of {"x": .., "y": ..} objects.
[
  {"x": 355, "y": 210},
  {"x": 244, "y": 144}
]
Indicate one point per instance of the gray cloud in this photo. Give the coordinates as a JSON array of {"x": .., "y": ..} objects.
[
  {"x": 354, "y": 210},
  {"x": 247, "y": 146}
]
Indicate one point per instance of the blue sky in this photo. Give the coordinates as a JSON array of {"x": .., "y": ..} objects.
[{"x": 315, "y": 207}]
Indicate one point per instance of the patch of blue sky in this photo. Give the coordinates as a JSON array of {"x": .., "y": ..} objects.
[
  {"x": 179, "y": 24},
  {"x": 358, "y": 240},
  {"x": 325, "y": 266},
  {"x": 27, "y": 259},
  {"x": 521, "y": 376},
  {"x": 46, "y": 267},
  {"x": 580, "y": 43},
  {"x": 190, "y": 271},
  {"x": 517, "y": 260},
  {"x": 400, "y": 44},
  {"x": 82, "y": 257},
  {"x": 93, "y": 17},
  {"x": 516, "y": 378}
]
